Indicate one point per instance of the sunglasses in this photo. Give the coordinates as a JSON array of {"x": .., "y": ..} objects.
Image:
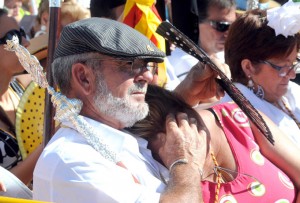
[
  {"x": 221, "y": 26},
  {"x": 9, "y": 35},
  {"x": 285, "y": 70},
  {"x": 132, "y": 67}
]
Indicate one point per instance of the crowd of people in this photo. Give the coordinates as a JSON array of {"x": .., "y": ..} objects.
[{"x": 139, "y": 141}]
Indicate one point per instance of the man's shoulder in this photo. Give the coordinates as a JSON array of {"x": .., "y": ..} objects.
[
  {"x": 66, "y": 145},
  {"x": 65, "y": 151}
]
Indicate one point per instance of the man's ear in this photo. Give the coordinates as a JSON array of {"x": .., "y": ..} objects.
[
  {"x": 83, "y": 78},
  {"x": 247, "y": 67}
]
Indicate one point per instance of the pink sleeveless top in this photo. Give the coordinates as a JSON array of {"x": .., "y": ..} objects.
[{"x": 258, "y": 180}]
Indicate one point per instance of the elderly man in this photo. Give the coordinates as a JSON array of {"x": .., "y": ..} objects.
[{"x": 108, "y": 65}]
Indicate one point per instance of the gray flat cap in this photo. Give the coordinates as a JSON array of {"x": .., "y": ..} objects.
[{"x": 107, "y": 37}]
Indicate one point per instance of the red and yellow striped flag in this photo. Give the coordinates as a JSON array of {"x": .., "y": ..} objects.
[{"x": 143, "y": 16}]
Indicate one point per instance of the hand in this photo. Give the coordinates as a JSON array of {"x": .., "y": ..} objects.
[
  {"x": 182, "y": 141},
  {"x": 222, "y": 66},
  {"x": 200, "y": 84},
  {"x": 225, "y": 69}
]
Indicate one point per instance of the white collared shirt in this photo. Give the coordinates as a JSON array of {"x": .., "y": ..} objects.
[{"x": 70, "y": 170}]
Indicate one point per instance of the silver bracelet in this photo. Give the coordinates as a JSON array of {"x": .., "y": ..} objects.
[{"x": 179, "y": 161}]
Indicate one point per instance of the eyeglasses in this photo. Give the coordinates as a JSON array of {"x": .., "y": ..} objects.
[
  {"x": 221, "y": 26},
  {"x": 136, "y": 66},
  {"x": 9, "y": 35},
  {"x": 285, "y": 70}
]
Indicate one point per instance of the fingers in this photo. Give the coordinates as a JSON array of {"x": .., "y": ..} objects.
[
  {"x": 162, "y": 138},
  {"x": 220, "y": 92},
  {"x": 222, "y": 66},
  {"x": 2, "y": 187},
  {"x": 193, "y": 123},
  {"x": 200, "y": 72},
  {"x": 181, "y": 132},
  {"x": 181, "y": 119},
  {"x": 227, "y": 71}
]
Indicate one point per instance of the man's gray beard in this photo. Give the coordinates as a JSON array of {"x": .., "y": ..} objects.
[{"x": 120, "y": 108}]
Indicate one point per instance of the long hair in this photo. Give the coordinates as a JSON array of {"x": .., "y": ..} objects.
[{"x": 162, "y": 102}]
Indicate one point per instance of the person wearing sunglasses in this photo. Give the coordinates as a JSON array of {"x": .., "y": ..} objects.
[
  {"x": 10, "y": 92},
  {"x": 263, "y": 59},
  {"x": 214, "y": 20}
]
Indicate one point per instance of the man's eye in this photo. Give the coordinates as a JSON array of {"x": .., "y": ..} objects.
[{"x": 128, "y": 63}]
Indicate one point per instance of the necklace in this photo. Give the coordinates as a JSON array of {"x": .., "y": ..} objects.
[
  {"x": 219, "y": 177},
  {"x": 289, "y": 112}
]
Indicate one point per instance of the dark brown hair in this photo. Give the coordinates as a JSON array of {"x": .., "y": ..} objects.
[
  {"x": 162, "y": 102},
  {"x": 251, "y": 38}
]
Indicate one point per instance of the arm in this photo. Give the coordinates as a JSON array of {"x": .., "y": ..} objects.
[
  {"x": 283, "y": 154},
  {"x": 200, "y": 86},
  {"x": 24, "y": 169},
  {"x": 182, "y": 141},
  {"x": 24, "y": 79}
]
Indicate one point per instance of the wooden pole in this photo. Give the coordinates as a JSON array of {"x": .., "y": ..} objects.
[{"x": 54, "y": 32}]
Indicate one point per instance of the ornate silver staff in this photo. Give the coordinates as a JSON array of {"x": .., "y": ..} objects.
[{"x": 65, "y": 108}]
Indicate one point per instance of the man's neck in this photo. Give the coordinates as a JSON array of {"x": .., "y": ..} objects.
[{"x": 93, "y": 114}]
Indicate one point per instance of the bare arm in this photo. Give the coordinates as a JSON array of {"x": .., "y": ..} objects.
[
  {"x": 198, "y": 85},
  {"x": 24, "y": 169},
  {"x": 184, "y": 185},
  {"x": 24, "y": 79},
  {"x": 283, "y": 154},
  {"x": 182, "y": 141}
]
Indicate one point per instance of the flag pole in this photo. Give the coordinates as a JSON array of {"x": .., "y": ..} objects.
[{"x": 54, "y": 32}]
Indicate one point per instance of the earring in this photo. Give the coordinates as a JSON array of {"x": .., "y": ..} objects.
[
  {"x": 250, "y": 84},
  {"x": 260, "y": 93},
  {"x": 43, "y": 28}
]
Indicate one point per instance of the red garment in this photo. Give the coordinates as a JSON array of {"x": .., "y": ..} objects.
[{"x": 275, "y": 185}]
